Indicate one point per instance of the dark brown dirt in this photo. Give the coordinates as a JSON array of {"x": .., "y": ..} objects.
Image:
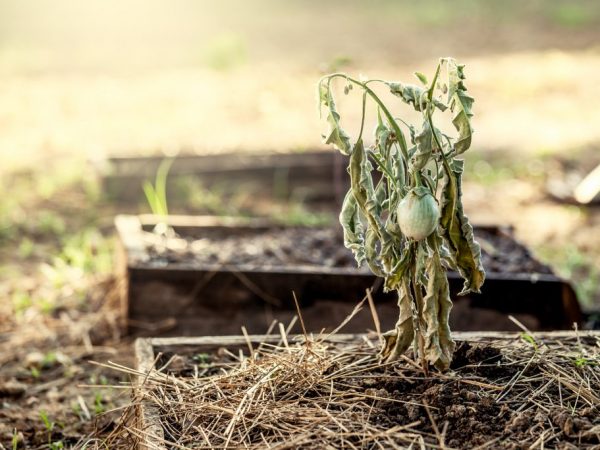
[
  {"x": 474, "y": 418},
  {"x": 296, "y": 246},
  {"x": 463, "y": 408}
]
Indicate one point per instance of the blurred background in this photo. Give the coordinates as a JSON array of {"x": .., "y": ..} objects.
[{"x": 81, "y": 82}]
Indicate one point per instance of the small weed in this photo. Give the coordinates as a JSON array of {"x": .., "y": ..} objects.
[
  {"x": 76, "y": 409},
  {"x": 530, "y": 340},
  {"x": 201, "y": 358},
  {"x": 15, "y": 439},
  {"x": 21, "y": 302},
  {"x": 582, "y": 361},
  {"x": 48, "y": 424},
  {"x": 49, "y": 359},
  {"x": 26, "y": 248},
  {"x": 98, "y": 403}
]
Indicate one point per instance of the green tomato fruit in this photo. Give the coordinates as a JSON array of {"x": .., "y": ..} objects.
[{"x": 418, "y": 214}]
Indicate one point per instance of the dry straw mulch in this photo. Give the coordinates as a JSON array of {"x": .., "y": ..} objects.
[{"x": 516, "y": 393}]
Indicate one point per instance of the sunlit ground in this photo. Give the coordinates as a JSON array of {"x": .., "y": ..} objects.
[
  {"x": 96, "y": 78},
  {"x": 83, "y": 80}
]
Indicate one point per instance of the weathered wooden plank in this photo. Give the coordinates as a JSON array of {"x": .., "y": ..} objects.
[
  {"x": 319, "y": 174},
  {"x": 204, "y": 342},
  {"x": 148, "y": 416}
]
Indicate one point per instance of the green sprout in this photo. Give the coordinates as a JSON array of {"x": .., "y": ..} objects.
[
  {"x": 530, "y": 340},
  {"x": 50, "y": 425},
  {"x": 15, "y": 439},
  {"x": 403, "y": 214},
  {"x": 156, "y": 194}
]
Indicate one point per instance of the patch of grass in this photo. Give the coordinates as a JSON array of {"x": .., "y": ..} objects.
[
  {"x": 62, "y": 175},
  {"x": 295, "y": 213},
  {"x": 225, "y": 52},
  {"x": 88, "y": 251},
  {"x": 48, "y": 223},
  {"x": 572, "y": 14},
  {"x": 573, "y": 264},
  {"x": 26, "y": 248},
  {"x": 338, "y": 63},
  {"x": 21, "y": 302},
  {"x": 434, "y": 13},
  {"x": 214, "y": 200},
  {"x": 492, "y": 169}
]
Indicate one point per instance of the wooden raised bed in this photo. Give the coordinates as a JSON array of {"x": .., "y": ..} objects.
[
  {"x": 312, "y": 176},
  {"x": 504, "y": 390},
  {"x": 195, "y": 297}
]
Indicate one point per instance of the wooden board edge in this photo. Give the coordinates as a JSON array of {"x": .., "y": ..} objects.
[
  {"x": 458, "y": 335},
  {"x": 192, "y": 162},
  {"x": 148, "y": 423},
  {"x": 204, "y": 221},
  {"x": 130, "y": 237}
]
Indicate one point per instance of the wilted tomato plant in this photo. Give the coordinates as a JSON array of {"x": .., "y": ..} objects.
[{"x": 403, "y": 214}]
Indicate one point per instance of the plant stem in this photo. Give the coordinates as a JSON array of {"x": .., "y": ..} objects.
[
  {"x": 362, "y": 121},
  {"x": 418, "y": 297},
  {"x": 386, "y": 112}
]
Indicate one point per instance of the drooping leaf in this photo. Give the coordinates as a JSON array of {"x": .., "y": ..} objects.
[
  {"x": 414, "y": 95},
  {"x": 383, "y": 134},
  {"x": 336, "y": 135},
  {"x": 381, "y": 196},
  {"x": 458, "y": 232},
  {"x": 361, "y": 183},
  {"x": 400, "y": 270},
  {"x": 353, "y": 228},
  {"x": 371, "y": 239},
  {"x": 462, "y": 121},
  {"x": 461, "y": 105},
  {"x": 410, "y": 94},
  {"x": 424, "y": 147},
  {"x": 398, "y": 340},
  {"x": 436, "y": 311}
]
